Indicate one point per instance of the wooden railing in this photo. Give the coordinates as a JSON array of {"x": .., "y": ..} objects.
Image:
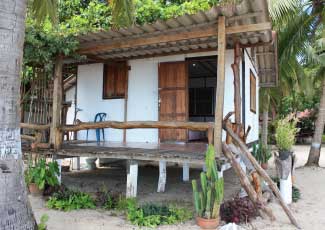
[
  {"x": 37, "y": 138},
  {"x": 198, "y": 126}
]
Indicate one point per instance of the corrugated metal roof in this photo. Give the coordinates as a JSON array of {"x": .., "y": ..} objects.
[{"x": 124, "y": 43}]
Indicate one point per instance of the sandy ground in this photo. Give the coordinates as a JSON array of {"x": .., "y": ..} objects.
[{"x": 309, "y": 210}]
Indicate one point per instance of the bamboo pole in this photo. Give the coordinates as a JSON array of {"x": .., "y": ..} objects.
[
  {"x": 262, "y": 173},
  {"x": 199, "y": 126}
]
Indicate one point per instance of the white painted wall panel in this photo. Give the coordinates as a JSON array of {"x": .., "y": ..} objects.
[
  {"x": 70, "y": 97},
  {"x": 251, "y": 117},
  {"x": 89, "y": 99},
  {"x": 143, "y": 96}
]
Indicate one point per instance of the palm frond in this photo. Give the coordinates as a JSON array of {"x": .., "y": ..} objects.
[
  {"x": 123, "y": 12},
  {"x": 43, "y": 9},
  {"x": 281, "y": 11},
  {"x": 294, "y": 36}
]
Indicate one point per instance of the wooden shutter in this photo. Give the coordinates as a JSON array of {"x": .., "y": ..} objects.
[
  {"x": 115, "y": 80},
  {"x": 252, "y": 92},
  {"x": 173, "y": 97}
]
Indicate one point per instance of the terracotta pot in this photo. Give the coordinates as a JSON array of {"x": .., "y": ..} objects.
[
  {"x": 34, "y": 190},
  {"x": 207, "y": 223},
  {"x": 265, "y": 166}
]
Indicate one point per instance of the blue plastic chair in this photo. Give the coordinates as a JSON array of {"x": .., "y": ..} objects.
[{"x": 99, "y": 117}]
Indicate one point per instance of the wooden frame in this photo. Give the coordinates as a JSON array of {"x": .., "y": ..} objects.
[
  {"x": 174, "y": 88},
  {"x": 252, "y": 92},
  {"x": 197, "y": 32},
  {"x": 115, "y": 95}
]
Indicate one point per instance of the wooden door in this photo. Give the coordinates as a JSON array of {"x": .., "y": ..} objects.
[{"x": 173, "y": 99}]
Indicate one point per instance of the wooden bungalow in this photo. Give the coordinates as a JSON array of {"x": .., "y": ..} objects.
[{"x": 165, "y": 88}]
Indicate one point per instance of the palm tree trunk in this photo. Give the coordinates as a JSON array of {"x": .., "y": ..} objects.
[
  {"x": 314, "y": 153},
  {"x": 15, "y": 210}
]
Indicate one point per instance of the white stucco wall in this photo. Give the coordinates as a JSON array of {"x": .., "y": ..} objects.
[
  {"x": 70, "y": 97},
  {"x": 89, "y": 99},
  {"x": 251, "y": 117},
  {"x": 143, "y": 96}
]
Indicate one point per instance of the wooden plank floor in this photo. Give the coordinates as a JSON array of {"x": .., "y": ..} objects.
[{"x": 178, "y": 152}]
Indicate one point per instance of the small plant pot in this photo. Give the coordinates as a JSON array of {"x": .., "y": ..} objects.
[
  {"x": 283, "y": 155},
  {"x": 207, "y": 223},
  {"x": 265, "y": 166},
  {"x": 34, "y": 190}
]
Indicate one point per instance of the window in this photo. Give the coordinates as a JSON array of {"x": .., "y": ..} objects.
[
  {"x": 115, "y": 80},
  {"x": 252, "y": 92}
]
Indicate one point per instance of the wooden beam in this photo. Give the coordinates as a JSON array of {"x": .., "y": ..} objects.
[
  {"x": 199, "y": 126},
  {"x": 28, "y": 137},
  {"x": 249, "y": 28},
  {"x": 220, "y": 85},
  {"x": 34, "y": 126},
  {"x": 196, "y": 32},
  {"x": 56, "y": 138}
]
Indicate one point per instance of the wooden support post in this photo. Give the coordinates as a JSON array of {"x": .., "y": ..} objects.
[
  {"x": 220, "y": 85},
  {"x": 237, "y": 98},
  {"x": 242, "y": 192},
  {"x": 210, "y": 136},
  {"x": 204, "y": 168},
  {"x": 262, "y": 173},
  {"x": 132, "y": 178},
  {"x": 76, "y": 163},
  {"x": 186, "y": 171},
  {"x": 60, "y": 171},
  {"x": 162, "y": 176},
  {"x": 253, "y": 196},
  {"x": 56, "y": 134}
]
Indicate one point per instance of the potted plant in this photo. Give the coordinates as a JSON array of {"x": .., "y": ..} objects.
[
  {"x": 207, "y": 201},
  {"x": 285, "y": 134},
  {"x": 40, "y": 175},
  {"x": 262, "y": 154}
]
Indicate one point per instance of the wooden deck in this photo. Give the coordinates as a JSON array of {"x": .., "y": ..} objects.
[
  {"x": 183, "y": 153},
  {"x": 192, "y": 153}
]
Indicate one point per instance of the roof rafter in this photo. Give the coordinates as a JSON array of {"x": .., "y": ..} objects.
[{"x": 186, "y": 35}]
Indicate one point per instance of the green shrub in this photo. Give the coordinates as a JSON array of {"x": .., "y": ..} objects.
[
  {"x": 261, "y": 153},
  {"x": 124, "y": 204},
  {"x": 42, "y": 174},
  {"x": 42, "y": 224},
  {"x": 106, "y": 199},
  {"x": 152, "y": 215},
  {"x": 67, "y": 200},
  {"x": 285, "y": 133}
]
